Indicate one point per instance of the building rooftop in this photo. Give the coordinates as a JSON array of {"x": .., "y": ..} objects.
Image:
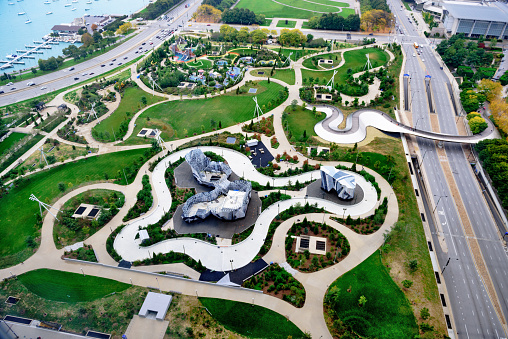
[
  {"x": 155, "y": 306},
  {"x": 490, "y": 11},
  {"x": 67, "y": 28}
]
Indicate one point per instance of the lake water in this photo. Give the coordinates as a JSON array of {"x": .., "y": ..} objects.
[{"x": 15, "y": 34}]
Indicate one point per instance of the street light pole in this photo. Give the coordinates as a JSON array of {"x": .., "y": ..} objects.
[
  {"x": 423, "y": 158},
  {"x": 438, "y": 200}
]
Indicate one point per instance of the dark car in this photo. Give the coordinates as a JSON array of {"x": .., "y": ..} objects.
[
  {"x": 13, "y": 88},
  {"x": 103, "y": 65},
  {"x": 371, "y": 33},
  {"x": 2, "y": 92},
  {"x": 111, "y": 64},
  {"x": 144, "y": 43},
  {"x": 76, "y": 78},
  {"x": 125, "y": 58},
  {"x": 91, "y": 73},
  {"x": 119, "y": 63},
  {"x": 113, "y": 60}
]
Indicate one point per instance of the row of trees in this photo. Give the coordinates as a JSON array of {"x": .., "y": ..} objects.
[
  {"x": 257, "y": 36},
  {"x": 221, "y": 5},
  {"x": 242, "y": 16},
  {"x": 333, "y": 21},
  {"x": 493, "y": 153},
  {"x": 51, "y": 63},
  {"x": 156, "y": 9}
]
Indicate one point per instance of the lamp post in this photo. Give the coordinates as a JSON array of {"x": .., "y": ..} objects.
[
  {"x": 344, "y": 214},
  {"x": 438, "y": 200},
  {"x": 423, "y": 158}
]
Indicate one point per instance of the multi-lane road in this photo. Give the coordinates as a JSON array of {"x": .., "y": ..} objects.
[
  {"x": 472, "y": 306},
  {"x": 140, "y": 44}
]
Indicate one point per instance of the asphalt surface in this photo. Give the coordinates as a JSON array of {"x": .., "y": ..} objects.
[
  {"x": 473, "y": 311},
  {"x": 124, "y": 53}
]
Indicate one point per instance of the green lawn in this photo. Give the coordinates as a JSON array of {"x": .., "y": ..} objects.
[
  {"x": 251, "y": 321},
  {"x": 301, "y": 120},
  {"x": 355, "y": 60},
  {"x": 286, "y": 8},
  {"x": 286, "y": 75},
  {"x": 247, "y": 51},
  {"x": 305, "y": 25},
  {"x": 336, "y": 57},
  {"x": 387, "y": 312},
  {"x": 297, "y": 53},
  {"x": 129, "y": 105},
  {"x": 69, "y": 287},
  {"x": 289, "y": 24},
  {"x": 11, "y": 140},
  {"x": 267, "y": 22},
  {"x": 18, "y": 213},
  {"x": 176, "y": 119},
  {"x": 200, "y": 64}
]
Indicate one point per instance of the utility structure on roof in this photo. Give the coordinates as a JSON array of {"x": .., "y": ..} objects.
[
  {"x": 42, "y": 204},
  {"x": 257, "y": 109}
]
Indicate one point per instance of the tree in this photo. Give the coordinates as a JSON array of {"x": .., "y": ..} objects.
[
  {"x": 477, "y": 124},
  {"x": 61, "y": 186},
  {"x": 34, "y": 70},
  {"x": 294, "y": 103},
  {"x": 362, "y": 301},
  {"x": 144, "y": 101},
  {"x": 292, "y": 37},
  {"x": 407, "y": 283},
  {"x": 87, "y": 39},
  {"x": 124, "y": 28},
  {"x": 424, "y": 313},
  {"x": 413, "y": 265},
  {"x": 207, "y": 13}
]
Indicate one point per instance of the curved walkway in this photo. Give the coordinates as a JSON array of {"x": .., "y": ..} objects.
[
  {"x": 212, "y": 256},
  {"x": 357, "y": 123}
]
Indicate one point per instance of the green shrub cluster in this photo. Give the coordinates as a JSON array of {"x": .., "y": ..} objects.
[
  {"x": 493, "y": 153},
  {"x": 369, "y": 224},
  {"x": 272, "y": 198},
  {"x": 144, "y": 201}
]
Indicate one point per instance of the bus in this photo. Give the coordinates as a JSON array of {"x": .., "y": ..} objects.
[{"x": 415, "y": 44}]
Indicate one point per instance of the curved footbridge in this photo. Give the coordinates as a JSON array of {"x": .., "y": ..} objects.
[
  {"x": 223, "y": 258},
  {"x": 357, "y": 123}
]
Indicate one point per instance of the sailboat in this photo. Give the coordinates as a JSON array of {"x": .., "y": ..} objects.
[
  {"x": 28, "y": 21},
  {"x": 21, "y": 13},
  {"x": 49, "y": 13}
]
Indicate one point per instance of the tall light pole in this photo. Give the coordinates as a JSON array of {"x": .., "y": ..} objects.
[
  {"x": 423, "y": 158},
  {"x": 438, "y": 200}
]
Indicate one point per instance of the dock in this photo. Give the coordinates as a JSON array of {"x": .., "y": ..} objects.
[{"x": 26, "y": 54}]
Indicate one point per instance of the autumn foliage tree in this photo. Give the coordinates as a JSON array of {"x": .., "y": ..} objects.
[
  {"x": 207, "y": 13},
  {"x": 376, "y": 20}
]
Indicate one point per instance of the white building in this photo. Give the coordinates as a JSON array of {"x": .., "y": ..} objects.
[
  {"x": 489, "y": 19},
  {"x": 342, "y": 182}
]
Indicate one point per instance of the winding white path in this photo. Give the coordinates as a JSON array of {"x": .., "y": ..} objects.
[{"x": 224, "y": 258}]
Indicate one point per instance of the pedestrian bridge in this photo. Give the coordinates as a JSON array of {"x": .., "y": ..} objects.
[{"x": 357, "y": 123}]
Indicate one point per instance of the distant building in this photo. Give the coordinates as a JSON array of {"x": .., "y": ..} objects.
[
  {"x": 489, "y": 19},
  {"x": 342, "y": 182},
  {"x": 66, "y": 29}
]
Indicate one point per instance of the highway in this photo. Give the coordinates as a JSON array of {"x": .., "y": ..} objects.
[
  {"x": 120, "y": 55},
  {"x": 473, "y": 310}
]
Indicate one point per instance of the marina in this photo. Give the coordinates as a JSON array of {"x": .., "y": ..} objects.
[{"x": 15, "y": 59}]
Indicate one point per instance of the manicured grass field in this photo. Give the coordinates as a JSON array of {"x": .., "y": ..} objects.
[
  {"x": 176, "y": 119},
  {"x": 69, "y": 287},
  {"x": 267, "y": 22},
  {"x": 297, "y": 53},
  {"x": 336, "y": 57},
  {"x": 250, "y": 321},
  {"x": 286, "y": 75},
  {"x": 129, "y": 105},
  {"x": 11, "y": 140},
  {"x": 355, "y": 60},
  {"x": 200, "y": 64},
  {"x": 301, "y": 120},
  {"x": 18, "y": 213},
  {"x": 386, "y": 314},
  {"x": 290, "y": 24},
  {"x": 296, "y": 9}
]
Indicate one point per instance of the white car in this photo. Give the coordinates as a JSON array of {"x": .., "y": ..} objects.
[
  {"x": 10, "y": 84},
  {"x": 414, "y": 54},
  {"x": 43, "y": 88},
  {"x": 84, "y": 74}
]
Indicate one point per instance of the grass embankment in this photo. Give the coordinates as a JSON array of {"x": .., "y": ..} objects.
[
  {"x": 178, "y": 119},
  {"x": 251, "y": 320},
  {"x": 297, "y": 53},
  {"x": 28, "y": 142},
  {"x": 200, "y": 64},
  {"x": 354, "y": 59},
  {"x": 386, "y": 314},
  {"x": 407, "y": 240},
  {"x": 303, "y": 10},
  {"x": 10, "y": 140},
  {"x": 129, "y": 105},
  {"x": 19, "y": 215},
  {"x": 69, "y": 287},
  {"x": 300, "y": 121},
  {"x": 286, "y": 75}
]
